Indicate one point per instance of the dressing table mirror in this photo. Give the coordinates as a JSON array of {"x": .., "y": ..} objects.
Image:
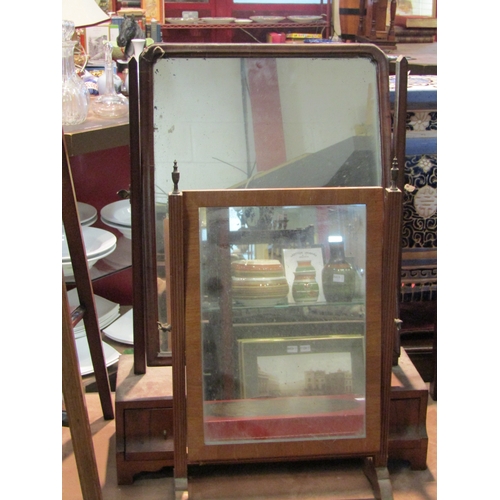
[{"x": 249, "y": 154}]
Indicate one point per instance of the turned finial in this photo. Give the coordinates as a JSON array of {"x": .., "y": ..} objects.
[
  {"x": 175, "y": 178},
  {"x": 394, "y": 175}
]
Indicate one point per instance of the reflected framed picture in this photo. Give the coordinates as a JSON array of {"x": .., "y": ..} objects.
[
  {"x": 95, "y": 38},
  {"x": 154, "y": 9},
  {"x": 302, "y": 366}
]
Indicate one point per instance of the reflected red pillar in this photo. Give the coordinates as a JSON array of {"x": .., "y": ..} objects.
[{"x": 263, "y": 87}]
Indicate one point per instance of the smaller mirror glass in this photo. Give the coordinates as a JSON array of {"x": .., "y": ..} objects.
[{"x": 283, "y": 322}]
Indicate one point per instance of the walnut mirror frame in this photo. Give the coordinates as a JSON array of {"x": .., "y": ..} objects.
[{"x": 227, "y": 333}]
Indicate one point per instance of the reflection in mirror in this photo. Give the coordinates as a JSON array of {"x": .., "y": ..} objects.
[
  {"x": 271, "y": 122},
  {"x": 288, "y": 122},
  {"x": 283, "y": 322}
]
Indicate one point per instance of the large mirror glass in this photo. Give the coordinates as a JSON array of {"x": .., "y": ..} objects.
[
  {"x": 269, "y": 122},
  {"x": 263, "y": 122}
]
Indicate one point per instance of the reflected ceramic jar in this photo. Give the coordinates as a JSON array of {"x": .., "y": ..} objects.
[
  {"x": 305, "y": 288},
  {"x": 338, "y": 276},
  {"x": 259, "y": 282}
]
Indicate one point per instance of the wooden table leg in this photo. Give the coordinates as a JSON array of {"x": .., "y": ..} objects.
[{"x": 81, "y": 435}]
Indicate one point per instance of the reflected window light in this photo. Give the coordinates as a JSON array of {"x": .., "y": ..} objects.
[
  {"x": 335, "y": 239},
  {"x": 234, "y": 220}
]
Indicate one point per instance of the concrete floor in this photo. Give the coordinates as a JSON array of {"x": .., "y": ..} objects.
[{"x": 292, "y": 481}]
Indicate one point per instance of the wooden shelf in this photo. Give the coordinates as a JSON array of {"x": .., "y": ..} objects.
[
  {"x": 119, "y": 260},
  {"x": 253, "y": 25},
  {"x": 96, "y": 134}
]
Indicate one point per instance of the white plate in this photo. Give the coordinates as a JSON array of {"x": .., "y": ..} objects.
[
  {"x": 122, "y": 330},
  {"x": 97, "y": 243},
  {"x": 118, "y": 212},
  {"x": 122, "y": 256},
  {"x": 87, "y": 213},
  {"x": 68, "y": 268},
  {"x": 181, "y": 20},
  {"x": 218, "y": 20},
  {"x": 126, "y": 231},
  {"x": 243, "y": 21},
  {"x": 111, "y": 355},
  {"x": 304, "y": 19},
  {"x": 267, "y": 19},
  {"x": 107, "y": 311}
]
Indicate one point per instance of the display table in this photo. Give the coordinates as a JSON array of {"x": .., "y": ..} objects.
[
  {"x": 422, "y": 57},
  {"x": 96, "y": 134}
]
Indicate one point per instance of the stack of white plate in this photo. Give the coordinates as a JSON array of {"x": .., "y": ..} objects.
[
  {"x": 118, "y": 215},
  {"x": 305, "y": 19},
  {"x": 111, "y": 355},
  {"x": 107, "y": 312},
  {"x": 122, "y": 330},
  {"x": 99, "y": 243},
  {"x": 267, "y": 19},
  {"x": 87, "y": 213}
]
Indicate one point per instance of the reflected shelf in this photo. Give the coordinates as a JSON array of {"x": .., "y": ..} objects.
[{"x": 253, "y": 25}]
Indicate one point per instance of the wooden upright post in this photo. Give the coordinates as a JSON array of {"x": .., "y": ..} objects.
[
  {"x": 79, "y": 426},
  {"x": 177, "y": 307}
]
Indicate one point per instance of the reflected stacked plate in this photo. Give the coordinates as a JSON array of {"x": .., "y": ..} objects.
[
  {"x": 259, "y": 282},
  {"x": 218, "y": 20},
  {"x": 99, "y": 243},
  {"x": 118, "y": 215},
  {"x": 267, "y": 19},
  {"x": 87, "y": 213},
  {"x": 107, "y": 312},
  {"x": 305, "y": 19},
  {"x": 181, "y": 20}
]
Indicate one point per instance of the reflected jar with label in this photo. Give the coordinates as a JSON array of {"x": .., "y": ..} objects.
[{"x": 305, "y": 288}]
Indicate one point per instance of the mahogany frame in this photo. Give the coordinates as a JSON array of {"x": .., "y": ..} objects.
[
  {"x": 143, "y": 157},
  {"x": 389, "y": 238}
]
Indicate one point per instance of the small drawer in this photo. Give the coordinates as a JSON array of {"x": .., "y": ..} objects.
[{"x": 148, "y": 434}]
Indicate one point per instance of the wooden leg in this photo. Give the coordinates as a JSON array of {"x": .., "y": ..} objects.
[
  {"x": 379, "y": 479},
  {"x": 181, "y": 488},
  {"x": 81, "y": 434}
]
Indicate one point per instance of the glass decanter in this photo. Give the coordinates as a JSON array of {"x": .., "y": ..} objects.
[
  {"x": 75, "y": 95},
  {"x": 110, "y": 104}
]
